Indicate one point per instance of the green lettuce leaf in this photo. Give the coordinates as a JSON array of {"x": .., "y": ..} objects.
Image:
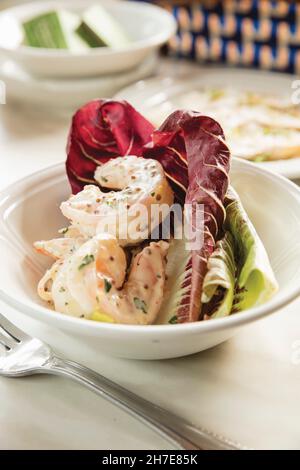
[
  {"x": 219, "y": 282},
  {"x": 176, "y": 289},
  {"x": 256, "y": 281},
  {"x": 239, "y": 273}
]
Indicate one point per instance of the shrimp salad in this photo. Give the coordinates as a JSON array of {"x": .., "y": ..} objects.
[
  {"x": 114, "y": 262},
  {"x": 91, "y": 277}
]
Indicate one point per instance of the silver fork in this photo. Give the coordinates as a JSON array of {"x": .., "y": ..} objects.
[{"x": 23, "y": 355}]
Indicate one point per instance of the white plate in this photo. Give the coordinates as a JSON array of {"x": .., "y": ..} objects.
[
  {"x": 64, "y": 94},
  {"x": 153, "y": 97},
  {"x": 148, "y": 25},
  {"x": 29, "y": 210}
]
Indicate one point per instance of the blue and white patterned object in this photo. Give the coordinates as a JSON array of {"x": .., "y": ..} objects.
[{"x": 255, "y": 33}]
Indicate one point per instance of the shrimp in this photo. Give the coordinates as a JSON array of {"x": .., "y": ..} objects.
[
  {"x": 46, "y": 283},
  {"x": 92, "y": 283},
  {"x": 135, "y": 181},
  {"x": 58, "y": 247}
]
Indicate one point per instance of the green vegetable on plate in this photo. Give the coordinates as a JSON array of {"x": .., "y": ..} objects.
[
  {"x": 98, "y": 28},
  {"x": 54, "y": 30},
  {"x": 63, "y": 29}
]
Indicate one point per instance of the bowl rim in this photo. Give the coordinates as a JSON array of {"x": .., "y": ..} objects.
[
  {"x": 39, "y": 312},
  {"x": 160, "y": 37}
]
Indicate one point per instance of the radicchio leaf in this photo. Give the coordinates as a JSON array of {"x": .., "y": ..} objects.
[
  {"x": 168, "y": 147},
  {"x": 101, "y": 130},
  {"x": 196, "y": 160}
]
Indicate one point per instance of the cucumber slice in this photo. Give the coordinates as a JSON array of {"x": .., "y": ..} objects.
[
  {"x": 54, "y": 30},
  {"x": 70, "y": 22},
  {"x": 98, "y": 28},
  {"x": 89, "y": 36},
  {"x": 45, "y": 31}
]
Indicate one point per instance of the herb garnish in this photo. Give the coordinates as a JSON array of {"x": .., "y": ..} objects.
[
  {"x": 173, "y": 320},
  {"x": 110, "y": 203},
  {"x": 63, "y": 231},
  {"x": 105, "y": 180},
  {"x": 62, "y": 289},
  {"x": 107, "y": 286},
  {"x": 86, "y": 260},
  {"x": 140, "y": 304}
]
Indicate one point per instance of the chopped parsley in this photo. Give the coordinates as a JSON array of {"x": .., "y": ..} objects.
[
  {"x": 107, "y": 286},
  {"x": 110, "y": 203},
  {"x": 140, "y": 305},
  {"x": 62, "y": 289},
  {"x": 105, "y": 180},
  {"x": 86, "y": 260},
  {"x": 173, "y": 320}
]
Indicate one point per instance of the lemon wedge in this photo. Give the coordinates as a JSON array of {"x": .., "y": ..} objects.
[{"x": 102, "y": 317}]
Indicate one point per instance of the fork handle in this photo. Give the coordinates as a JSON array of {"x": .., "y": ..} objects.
[{"x": 179, "y": 432}]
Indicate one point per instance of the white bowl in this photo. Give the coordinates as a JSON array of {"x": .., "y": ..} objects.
[
  {"x": 148, "y": 25},
  {"x": 29, "y": 211},
  {"x": 63, "y": 94}
]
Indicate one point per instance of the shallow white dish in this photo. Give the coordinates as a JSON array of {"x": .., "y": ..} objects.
[
  {"x": 29, "y": 211},
  {"x": 148, "y": 25},
  {"x": 155, "y": 98},
  {"x": 64, "y": 94}
]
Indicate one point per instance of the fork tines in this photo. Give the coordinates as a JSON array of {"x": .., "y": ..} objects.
[{"x": 10, "y": 334}]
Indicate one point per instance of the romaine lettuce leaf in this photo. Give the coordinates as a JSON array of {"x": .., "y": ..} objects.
[
  {"x": 176, "y": 289},
  {"x": 256, "y": 282},
  {"x": 219, "y": 282},
  {"x": 239, "y": 273}
]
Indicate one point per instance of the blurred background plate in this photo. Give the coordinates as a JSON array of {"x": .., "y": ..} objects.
[
  {"x": 157, "y": 97},
  {"x": 66, "y": 94}
]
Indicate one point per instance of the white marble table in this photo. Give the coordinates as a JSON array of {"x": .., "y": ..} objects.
[{"x": 247, "y": 389}]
